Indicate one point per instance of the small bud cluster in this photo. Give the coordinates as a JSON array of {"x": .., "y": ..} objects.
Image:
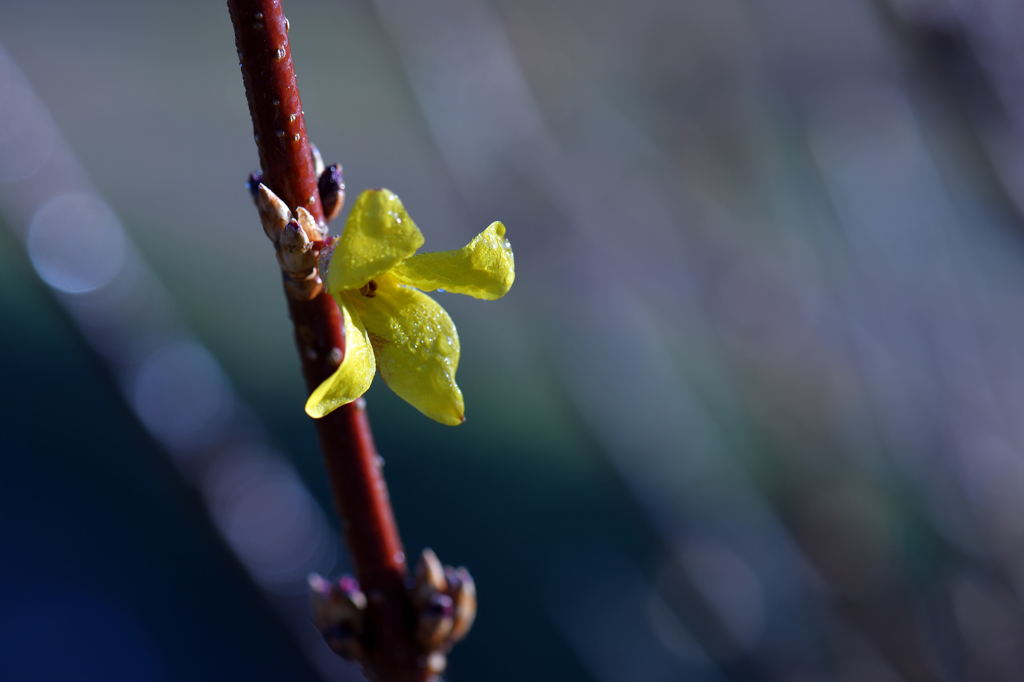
[
  {"x": 444, "y": 600},
  {"x": 293, "y": 236},
  {"x": 297, "y": 237},
  {"x": 339, "y": 610}
]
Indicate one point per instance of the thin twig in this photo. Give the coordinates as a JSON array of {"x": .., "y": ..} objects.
[{"x": 261, "y": 35}]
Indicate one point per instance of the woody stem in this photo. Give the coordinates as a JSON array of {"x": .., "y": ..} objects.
[{"x": 353, "y": 467}]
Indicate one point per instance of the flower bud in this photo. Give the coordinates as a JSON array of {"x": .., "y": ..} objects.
[
  {"x": 295, "y": 250},
  {"x": 331, "y": 185},
  {"x": 429, "y": 577},
  {"x": 338, "y": 612},
  {"x": 274, "y": 213},
  {"x": 308, "y": 224}
]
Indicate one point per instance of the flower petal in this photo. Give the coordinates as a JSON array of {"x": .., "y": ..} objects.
[
  {"x": 417, "y": 347},
  {"x": 354, "y": 374},
  {"x": 484, "y": 268},
  {"x": 377, "y": 235}
]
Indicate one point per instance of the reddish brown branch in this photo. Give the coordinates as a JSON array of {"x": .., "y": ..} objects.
[{"x": 261, "y": 35}]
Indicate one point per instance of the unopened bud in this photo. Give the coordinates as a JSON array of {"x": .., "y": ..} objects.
[
  {"x": 295, "y": 250},
  {"x": 338, "y": 612},
  {"x": 274, "y": 213},
  {"x": 445, "y": 602},
  {"x": 331, "y": 185},
  {"x": 308, "y": 224},
  {"x": 429, "y": 577}
]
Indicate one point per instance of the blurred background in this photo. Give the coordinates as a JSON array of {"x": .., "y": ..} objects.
[{"x": 752, "y": 410}]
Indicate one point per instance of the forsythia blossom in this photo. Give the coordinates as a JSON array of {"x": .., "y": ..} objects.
[{"x": 378, "y": 280}]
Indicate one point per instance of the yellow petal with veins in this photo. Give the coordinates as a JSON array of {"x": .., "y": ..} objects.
[
  {"x": 378, "y": 234},
  {"x": 416, "y": 345},
  {"x": 354, "y": 374},
  {"x": 484, "y": 268}
]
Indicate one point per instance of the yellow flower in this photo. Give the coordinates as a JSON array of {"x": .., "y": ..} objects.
[{"x": 390, "y": 323}]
